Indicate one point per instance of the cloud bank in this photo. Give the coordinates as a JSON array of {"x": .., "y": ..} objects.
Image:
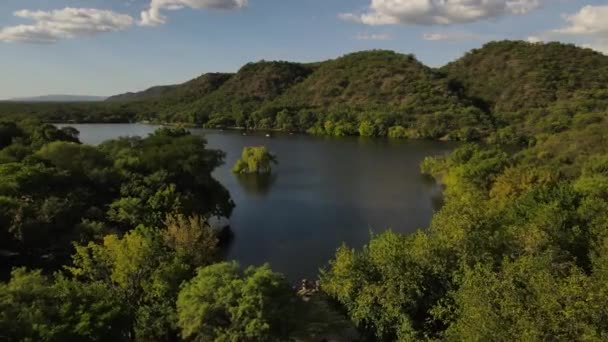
[
  {"x": 373, "y": 36},
  {"x": 588, "y": 26},
  {"x": 451, "y": 36},
  {"x": 52, "y": 26},
  {"x": 154, "y": 17},
  {"x": 590, "y": 20},
  {"x": 438, "y": 12}
]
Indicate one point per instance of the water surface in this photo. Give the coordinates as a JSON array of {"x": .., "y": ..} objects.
[{"x": 325, "y": 191}]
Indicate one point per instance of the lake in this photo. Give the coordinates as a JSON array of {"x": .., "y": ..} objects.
[{"x": 324, "y": 192}]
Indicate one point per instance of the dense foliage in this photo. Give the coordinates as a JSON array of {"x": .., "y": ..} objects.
[
  {"x": 519, "y": 251},
  {"x": 254, "y": 159},
  {"x": 513, "y": 76},
  {"x": 54, "y": 190},
  {"x": 373, "y": 93},
  {"x": 505, "y": 91},
  {"x": 95, "y": 112},
  {"x": 145, "y": 265}
]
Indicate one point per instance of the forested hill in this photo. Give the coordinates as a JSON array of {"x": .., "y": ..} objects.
[
  {"x": 512, "y": 75},
  {"x": 505, "y": 90},
  {"x": 188, "y": 91},
  {"x": 150, "y": 93},
  {"x": 517, "y": 252},
  {"x": 370, "y": 78},
  {"x": 362, "y": 80}
]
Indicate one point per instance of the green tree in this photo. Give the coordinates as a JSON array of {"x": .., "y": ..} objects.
[
  {"x": 532, "y": 298},
  {"x": 36, "y": 308},
  {"x": 254, "y": 160},
  {"x": 221, "y": 304},
  {"x": 367, "y": 129}
]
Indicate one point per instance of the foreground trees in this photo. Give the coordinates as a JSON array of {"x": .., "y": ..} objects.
[
  {"x": 129, "y": 289},
  {"x": 220, "y": 304},
  {"x": 54, "y": 190},
  {"x": 133, "y": 213},
  {"x": 517, "y": 252}
]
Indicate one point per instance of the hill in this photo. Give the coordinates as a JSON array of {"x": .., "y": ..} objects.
[
  {"x": 367, "y": 79},
  {"x": 252, "y": 86},
  {"x": 377, "y": 89},
  {"x": 505, "y": 91},
  {"x": 515, "y": 75},
  {"x": 185, "y": 92},
  {"x": 150, "y": 93},
  {"x": 59, "y": 98}
]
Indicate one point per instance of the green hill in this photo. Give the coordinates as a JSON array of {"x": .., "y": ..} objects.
[
  {"x": 148, "y": 94},
  {"x": 365, "y": 93},
  {"x": 515, "y": 75},
  {"x": 253, "y": 85},
  {"x": 177, "y": 93},
  {"x": 507, "y": 91},
  {"x": 371, "y": 78}
]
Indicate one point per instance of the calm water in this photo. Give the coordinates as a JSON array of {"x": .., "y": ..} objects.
[{"x": 325, "y": 191}]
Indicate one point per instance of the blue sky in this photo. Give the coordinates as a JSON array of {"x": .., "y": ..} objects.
[{"x": 105, "y": 47}]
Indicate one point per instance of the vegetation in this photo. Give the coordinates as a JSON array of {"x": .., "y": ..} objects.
[
  {"x": 145, "y": 263},
  {"x": 254, "y": 160},
  {"x": 503, "y": 92},
  {"x": 518, "y": 251},
  {"x": 53, "y": 190}
]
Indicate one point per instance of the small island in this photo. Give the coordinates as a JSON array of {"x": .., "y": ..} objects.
[{"x": 255, "y": 160}]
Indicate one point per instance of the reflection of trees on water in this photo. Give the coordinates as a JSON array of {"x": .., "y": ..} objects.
[
  {"x": 257, "y": 184},
  {"x": 436, "y": 191}
]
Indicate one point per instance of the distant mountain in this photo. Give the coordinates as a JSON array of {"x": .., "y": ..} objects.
[
  {"x": 530, "y": 87},
  {"x": 369, "y": 79},
  {"x": 60, "y": 98},
  {"x": 150, "y": 93},
  {"x": 177, "y": 93},
  {"x": 366, "y": 79}
]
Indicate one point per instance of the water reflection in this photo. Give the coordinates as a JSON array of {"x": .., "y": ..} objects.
[
  {"x": 256, "y": 184},
  {"x": 328, "y": 191},
  {"x": 435, "y": 190}
]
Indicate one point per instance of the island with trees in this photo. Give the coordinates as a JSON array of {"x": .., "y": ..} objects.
[
  {"x": 255, "y": 160},
  {"x": 518, "y": 251}
]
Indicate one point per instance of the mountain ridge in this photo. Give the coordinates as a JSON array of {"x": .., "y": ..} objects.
[
  {"x": 505, "y": 90},
  {"x": 59, "y": 98}
]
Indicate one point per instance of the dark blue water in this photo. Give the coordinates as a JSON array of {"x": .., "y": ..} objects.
[{"x": 324, "y": 192}]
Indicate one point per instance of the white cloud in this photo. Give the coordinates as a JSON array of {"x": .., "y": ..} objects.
[
  {"x": 600, "y": 46},
  {"x": 374, "y": 36},
  {"x": 590, "y": 20},
  {"x": 451, "y": 36},
  {"x": 153, "y": 15},
  {"x": 52, "y": 26},
  {"x": 438, "y": 12},
  {"x": 588, "y": 28}
]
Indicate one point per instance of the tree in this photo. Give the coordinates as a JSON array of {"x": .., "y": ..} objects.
[
  {"x": 367, "y": 129},
  {"x": 398, "y": 132},
  {"x": 254, "y": 160},
  {"x": 221, "y": 304},
  {"x": 76, "y": 158},
  {"x": 532, "y": 298},
  {"x": 389, "y": 288},
  {"x": 192, "y": 239},
  {"x": 285, "y": 120},
  {"x": 36, "y": 308},
  {"x": 8, "y": 132},
  {"x": 141, "y": 272}
]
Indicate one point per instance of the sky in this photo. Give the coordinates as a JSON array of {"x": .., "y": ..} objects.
[{"x": 106, "y": 47}]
